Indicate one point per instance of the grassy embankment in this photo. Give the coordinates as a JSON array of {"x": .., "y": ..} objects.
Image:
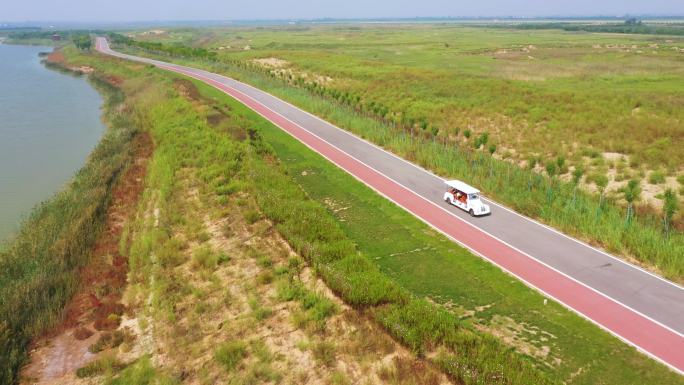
[
  {"x": 233, "y": 160},
  {"x": 38, "y": 268},
  {"x": 483, "y": 297},
  {"x": 222, "y": 296},
  {"x": 481, "y": 300},
  {"x": 600, "y": 220}
]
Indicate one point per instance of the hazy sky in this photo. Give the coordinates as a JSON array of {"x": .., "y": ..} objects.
[{"x": 137, "y": 10}]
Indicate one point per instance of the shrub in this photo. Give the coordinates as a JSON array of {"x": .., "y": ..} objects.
[
  {"x": 656, "y": 177},
  {"x": 230, "y": 354},
  {"x": 259, "y": 312},
  {"x": 324, "y": 352},
  {"x": 318, "y": 306},
  {"x": 265, "y": 277},
  {"x": 359, "y": 282},
  {"x": 418, "y": 324},
  {"x": 142, "y": 373},
  {"x": 106, "y": 364},
  {"x": 223, "y": 258},
  {"x": 252, "y": 216},
  {"x": 550, "y": 168},
  {"x": 107, "y": 341},
  {"x": 204, "y": 257},
  {"x": 171, "y": 253}
]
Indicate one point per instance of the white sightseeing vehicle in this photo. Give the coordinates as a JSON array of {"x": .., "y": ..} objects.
[{"x": 465, "y": 197}]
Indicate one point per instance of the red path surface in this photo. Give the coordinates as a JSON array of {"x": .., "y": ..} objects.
[{"x": 648, "y": 336}]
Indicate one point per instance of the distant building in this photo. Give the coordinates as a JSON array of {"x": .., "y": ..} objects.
[{"x": 56, "y": 37}]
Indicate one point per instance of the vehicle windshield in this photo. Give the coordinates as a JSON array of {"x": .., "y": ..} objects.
[{"x": 473, "y": 197}]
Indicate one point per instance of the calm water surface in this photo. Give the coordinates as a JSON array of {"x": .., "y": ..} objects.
[{"x": 49, "y": 123}]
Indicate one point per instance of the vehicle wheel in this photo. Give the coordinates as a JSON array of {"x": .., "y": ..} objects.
[
  {"x": 472, "y": 213},
  {"x": 447, "y": 200}
]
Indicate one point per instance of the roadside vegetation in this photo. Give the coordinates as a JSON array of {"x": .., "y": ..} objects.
[
  {"x": 480, "y": 295},
  {"x": 230, "y": 169},
  {"x": 240, "y": 226},
  {"x": 39, "y": 267},
  {"x": 557, "y": 167}
]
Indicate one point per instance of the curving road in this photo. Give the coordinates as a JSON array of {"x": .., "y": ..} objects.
[{"x": 638, "y": 307}]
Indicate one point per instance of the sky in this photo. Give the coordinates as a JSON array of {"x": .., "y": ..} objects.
[{"x": 150, "y": 10}]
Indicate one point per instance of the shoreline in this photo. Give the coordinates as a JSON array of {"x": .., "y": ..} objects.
[{"x": 55, "y": 240}]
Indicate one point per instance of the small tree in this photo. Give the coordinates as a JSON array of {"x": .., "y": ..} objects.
[
  {"x": 577, "y": 174},
  {"x": 551, "y": 169},
  {"x": 82, "y": 42},
  {"x": 601, "y": 182},
  {"x": 435, "y": 131},
  {"x": 631, "y": 192},
  {"x": 560, "y": 162},
  {"x": 670, "y": 207}
]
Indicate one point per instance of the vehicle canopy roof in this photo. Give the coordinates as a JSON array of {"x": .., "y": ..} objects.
[{"x": 462, "y": 187}]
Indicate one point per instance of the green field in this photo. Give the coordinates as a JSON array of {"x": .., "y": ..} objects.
[
  {"x": 566, "y": 346},
  {"x": 541, "y": 93},
  {"x": 347, "y": 75},
  {"x": 474, "y": 322}
]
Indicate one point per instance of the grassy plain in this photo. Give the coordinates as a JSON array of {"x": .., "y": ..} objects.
[
  {"x": 197, "y": 276},
  {"x": 537, "y": 93},
  {"x": 233, "y": 162},
  {"x": 429, "y": 265},
  {"x": 211, "y": 157},
  {"x": 602, "y": 219}
]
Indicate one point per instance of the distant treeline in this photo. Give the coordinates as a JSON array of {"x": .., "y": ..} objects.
[
  {"x": 19, "y": 28},
  {"x": 176, "y": 49},
  {"x": 627, "y": 27},
  {"x": 81, "y": 38},
  {"x": 43, "y": 34}
]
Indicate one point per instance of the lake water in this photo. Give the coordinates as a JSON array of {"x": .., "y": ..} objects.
[{"x": 49, "y": 123}]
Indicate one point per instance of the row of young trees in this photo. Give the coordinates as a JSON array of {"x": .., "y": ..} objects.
[
  {"x": 417, "y": 126},
  {"x": 82, "y": 41},
  {"x": 177, "y": 50}
]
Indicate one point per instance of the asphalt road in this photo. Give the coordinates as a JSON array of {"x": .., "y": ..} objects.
[{"x": 636, "y": 306}]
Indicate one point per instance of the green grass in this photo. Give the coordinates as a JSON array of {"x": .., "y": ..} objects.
[
  {"x": 142, "y": 372},
  {"x": 599, "y": 221},
  {"x": 379, "y": 258},
  {"x": 230, "y": 354},
  {"x": 427, "y": 264},
  {"x": 184, "y": 140},
  {"x": 38, "y": 268},
  {"x": 454, "y": 77}
]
